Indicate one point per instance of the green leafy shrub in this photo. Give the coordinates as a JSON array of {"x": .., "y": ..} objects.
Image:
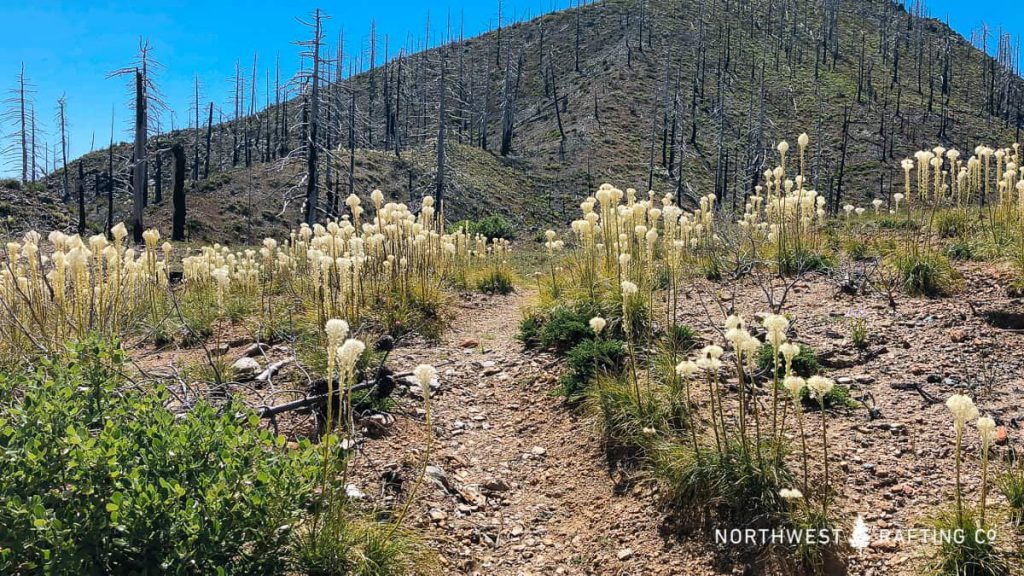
[
  {"x": 587, "y": 359},
  {"x": 805, "y": 363},
  {"x": 529, "y": 330},
  {"x": 493, "y": 226},
  {"x": 102, "y": 480},
  {"x": 565, "y": 327}
]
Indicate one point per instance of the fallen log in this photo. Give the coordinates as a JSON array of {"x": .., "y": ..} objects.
[{"x": 308, "y": 401}]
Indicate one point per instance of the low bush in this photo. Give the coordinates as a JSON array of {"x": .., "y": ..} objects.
[
  {"x": 100, "y": 479},
  {"x": 565, "y": 327},
  {"x": 805, "y": 363},
  {"x": 493, "y": 226},
  {"x": 588, "y": 359}
]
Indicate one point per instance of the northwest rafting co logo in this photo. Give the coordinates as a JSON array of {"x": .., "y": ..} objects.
[{"x": 860, "y": 537}]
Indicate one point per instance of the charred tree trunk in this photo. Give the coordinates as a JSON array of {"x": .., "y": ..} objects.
[
  {"x": 442, "y": 127},
  {"x": 209, "y": 138},
  {"x": 312, "y": 191},
  {"x": 178, "y": 193},
  {"x": 81, "y": 198},
  {"x": 139, "y": 166}
]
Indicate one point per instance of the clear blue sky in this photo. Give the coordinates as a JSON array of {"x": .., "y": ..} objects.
[{"x": 69, "y": 46}]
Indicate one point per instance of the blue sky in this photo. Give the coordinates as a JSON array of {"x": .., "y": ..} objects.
[{"x": 86, "y": 39}]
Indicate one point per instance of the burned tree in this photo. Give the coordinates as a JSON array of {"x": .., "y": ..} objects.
[
  {"x": 178, "y": 193},
  {"x": 19, "y": 110},
  {"x": 312, "y": 50},
  {"x": 146, "y": 101},
  {"x": 62, "y": 123}
]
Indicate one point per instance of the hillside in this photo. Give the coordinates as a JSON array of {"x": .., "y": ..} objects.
[{"x": 689, "y": 94}]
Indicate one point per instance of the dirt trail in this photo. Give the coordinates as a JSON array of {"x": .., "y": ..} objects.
[{"x": 529, "y": 490}]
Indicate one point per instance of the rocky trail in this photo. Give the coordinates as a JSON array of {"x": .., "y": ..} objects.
[{"x": 518, "y": 483}]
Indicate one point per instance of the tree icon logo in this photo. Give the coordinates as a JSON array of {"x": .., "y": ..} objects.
[{"x": 860, "y": 538}]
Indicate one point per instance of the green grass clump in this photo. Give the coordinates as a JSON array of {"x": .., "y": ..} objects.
[
  {"x": 496, "y": 281},
  {"x": 364, "y": 548},
  {"x": 925, "y": 273},
  {"x": 972, "y": 555},
  {"x": 1011, "y": 484},
  {"x": 796, "y": 261},
  {"x": 952, "y": 223},
  {"x": 628, "y": 424},
  {"x": 731, "y": 481}
]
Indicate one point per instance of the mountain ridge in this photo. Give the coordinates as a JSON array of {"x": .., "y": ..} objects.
[{"x": 667, "y": 93}]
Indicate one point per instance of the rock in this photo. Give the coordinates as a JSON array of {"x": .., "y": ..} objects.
[
  {"x": 496, "y": 485},
  {"x": 220, "y": 349},
  {"x": 624, "y": 554},
  {"x": 245, "y": 369},
  {"x": 957, "y": 335},
  {"x": 437, "y": 515},
  {"x": 538, "y": 451},
  {"x": 469, "y": 343},
  {"x": 1001, "y": 435},
  {"x": 438, "y": 476},
  {"x": 353, "y": 492}
]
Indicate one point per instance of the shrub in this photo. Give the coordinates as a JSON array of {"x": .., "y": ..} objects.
[
  {"x": 587, "y": 359},
  {"x": 566, "y": 327},
  {"x": 493, "y": 226},
  {"x": 103, "y": 480},
  {"x": 805, "y": 363},
  {"x": 529, "y": 330}
]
